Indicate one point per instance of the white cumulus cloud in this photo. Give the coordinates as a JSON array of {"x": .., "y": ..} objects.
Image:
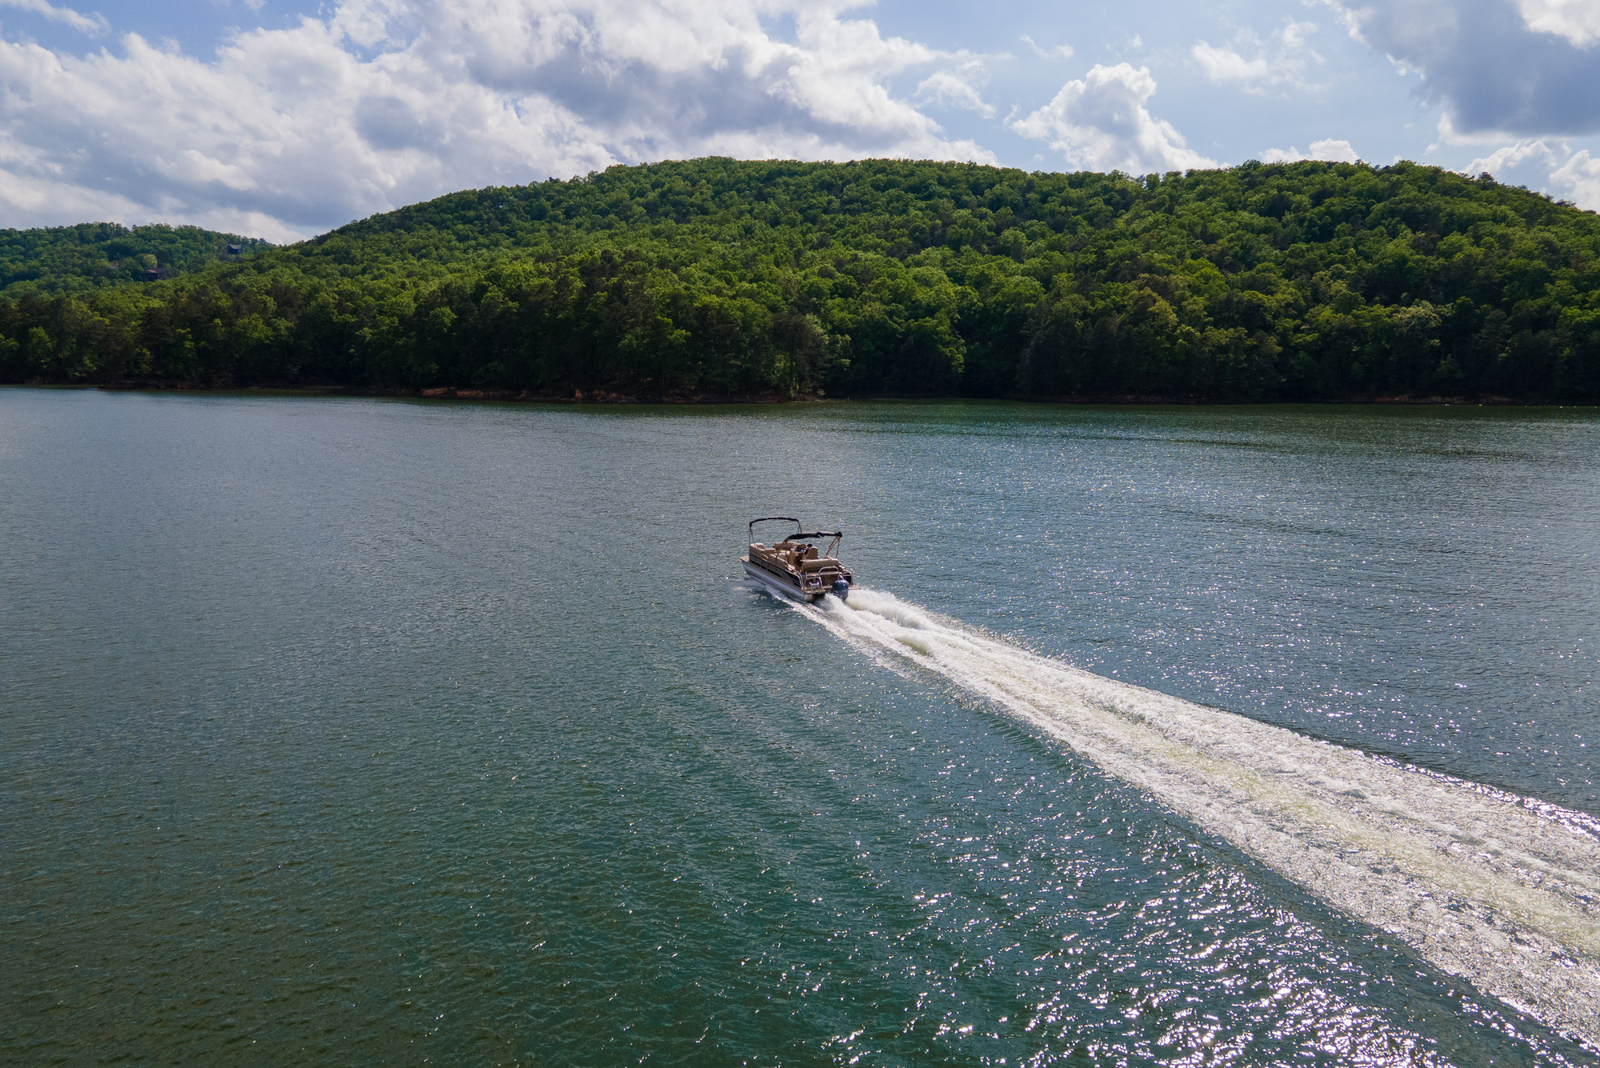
[
  {"x": 1538, "y": 164},
  {"x": 380, "y": 103},
  {"x": 1281, "y": 61},
  {"x": 1328, "y": 150},
  {"x": 955, "y": 88},
  {"x": 1512, "y": 157},
  {"x": 1576, "y": 20},
  {"x": 1579, "y": 179},
  {"x": 1100, "y": 122},
  {"x": 94, "y": 25},
  {"x": 1060, "y": 51}
]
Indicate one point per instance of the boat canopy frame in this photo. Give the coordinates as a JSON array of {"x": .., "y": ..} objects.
[{"x": 800, "y": 533}]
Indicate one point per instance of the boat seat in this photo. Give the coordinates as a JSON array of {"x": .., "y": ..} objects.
[{"x": 819, "y": 564}]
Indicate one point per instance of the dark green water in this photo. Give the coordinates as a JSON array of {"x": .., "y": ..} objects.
[{"x": 360, "y": 732}]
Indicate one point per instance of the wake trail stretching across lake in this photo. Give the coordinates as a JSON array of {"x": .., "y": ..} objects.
[{"x": 1500, "y": 890}]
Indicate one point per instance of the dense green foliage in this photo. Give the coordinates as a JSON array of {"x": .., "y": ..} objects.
[
  {"x": 1283, "y": 281},
  {"x": 76, "y": 259}
]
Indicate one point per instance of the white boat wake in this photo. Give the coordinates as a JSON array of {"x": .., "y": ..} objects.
[{"x": 1499, "y": 890}]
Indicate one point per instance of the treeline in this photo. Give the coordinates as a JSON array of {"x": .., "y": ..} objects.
[
  {"x": 1294, "y": 281},
  {"x": 77, "y": 259}
]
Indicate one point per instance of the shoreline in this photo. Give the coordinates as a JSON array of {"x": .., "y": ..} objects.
[{"x": 706, "y": 397}]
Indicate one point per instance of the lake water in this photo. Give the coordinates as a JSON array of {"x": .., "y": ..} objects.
[{"x": 350, "y": 731}]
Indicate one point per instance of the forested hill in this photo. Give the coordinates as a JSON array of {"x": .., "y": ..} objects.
[
  {"x": 76, "y": 259},
  {"x": 716, "y": 277}
]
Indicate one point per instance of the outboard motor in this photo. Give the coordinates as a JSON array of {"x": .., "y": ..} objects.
[{"x": 841, "y": 589}]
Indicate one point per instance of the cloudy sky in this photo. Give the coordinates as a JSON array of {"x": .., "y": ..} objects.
[{"x": 285, "y": 118}]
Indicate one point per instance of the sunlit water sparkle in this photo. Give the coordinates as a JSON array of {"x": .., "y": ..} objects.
[
  {"x": 1495, "y": 889},
  {"x": 359, "y": 731}
]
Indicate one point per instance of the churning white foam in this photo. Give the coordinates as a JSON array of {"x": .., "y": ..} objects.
[{"x": 1499, "y": 890}]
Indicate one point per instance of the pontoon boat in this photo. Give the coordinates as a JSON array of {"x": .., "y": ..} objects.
[{"x": 794, "y": 568}]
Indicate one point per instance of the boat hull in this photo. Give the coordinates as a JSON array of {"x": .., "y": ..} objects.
[{"x": 776, "y": 585}]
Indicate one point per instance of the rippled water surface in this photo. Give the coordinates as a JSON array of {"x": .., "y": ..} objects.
[{"x": 347, "y": 731}]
